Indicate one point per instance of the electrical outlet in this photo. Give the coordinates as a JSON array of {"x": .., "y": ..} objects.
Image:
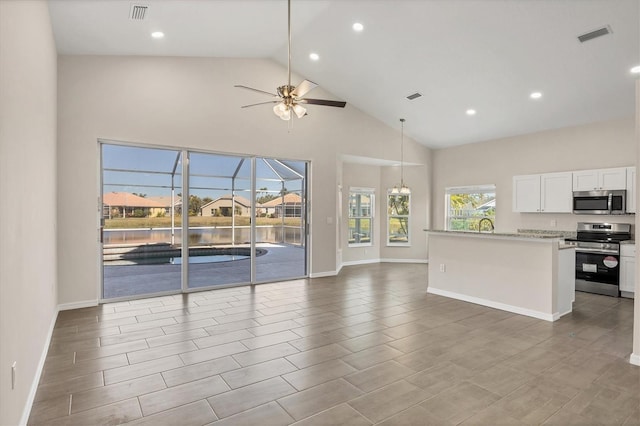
[
  {"x": 13, "y": 375},
  {"x": 443, "y": 267},
  {"x": 554, "y": 223}
]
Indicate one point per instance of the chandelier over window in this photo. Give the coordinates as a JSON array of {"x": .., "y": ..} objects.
[{"x": 403, "y": 189}]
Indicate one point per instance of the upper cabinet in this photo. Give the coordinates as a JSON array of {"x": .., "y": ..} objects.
[
  {"x": 589, "y": 180},
  {"x": 631, "y": 189},
  {"x": 546, "y": 193}
]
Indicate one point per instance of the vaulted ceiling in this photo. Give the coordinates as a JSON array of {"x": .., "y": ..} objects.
[{"x": 485, "y": 55}]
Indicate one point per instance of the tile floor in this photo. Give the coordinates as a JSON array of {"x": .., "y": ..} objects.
[{"x": 367, "y": 347}]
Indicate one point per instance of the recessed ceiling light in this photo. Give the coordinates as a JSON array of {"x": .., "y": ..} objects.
[
  {"x": 157, "y": 34},
  {"x": 535, "y": 95},
  {"x": 314, "y": 56},
  {"x": 471, "y": 112},
  {"x": 635, "y": 70},
  {"x": 358, "y": 27}
]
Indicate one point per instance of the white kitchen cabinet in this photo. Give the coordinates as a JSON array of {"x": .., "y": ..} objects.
[
  {"x": 526, "y": 193},
  {"x": 545, "y": 193},
  {"x": 627, "y": 269},
  {"x": 589, "y": 180},
  {"x": 631, "y": 189}
]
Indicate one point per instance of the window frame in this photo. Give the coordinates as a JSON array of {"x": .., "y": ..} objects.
[
  {"x": 466, "y": 189},
  {"x": 393, "y": 216},
  {"x": 372, "y": 196}
]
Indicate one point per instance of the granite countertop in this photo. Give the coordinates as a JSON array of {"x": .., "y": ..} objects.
[
  {"x": 526, "y": 235},
  {"x": 628, "y": 242}
]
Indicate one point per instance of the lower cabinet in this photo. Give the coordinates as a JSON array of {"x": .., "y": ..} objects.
[{"x": 627, "y": 269}]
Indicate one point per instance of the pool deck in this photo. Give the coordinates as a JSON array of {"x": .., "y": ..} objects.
[{"x": 282, "y": 261}]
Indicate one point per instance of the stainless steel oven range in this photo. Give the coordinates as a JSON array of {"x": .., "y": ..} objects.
[{"x": 598, "y": 256}]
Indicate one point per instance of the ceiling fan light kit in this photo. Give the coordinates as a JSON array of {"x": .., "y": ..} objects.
[{"x": 288, "y": 97}]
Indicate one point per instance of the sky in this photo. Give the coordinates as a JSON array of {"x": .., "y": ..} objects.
[{"x": 149, "y": 171}]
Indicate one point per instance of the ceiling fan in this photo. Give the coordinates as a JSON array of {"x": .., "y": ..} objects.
[{"x": 290, "y": 98}]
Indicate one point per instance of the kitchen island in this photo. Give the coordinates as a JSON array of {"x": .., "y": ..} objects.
[{"x": 529, "y": 274}]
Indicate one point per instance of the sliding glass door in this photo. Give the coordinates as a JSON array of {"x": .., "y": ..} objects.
[
  {"x": 141, "y": 220},
  {"x": 177, "y": 220},
  {"x": 281, "y": 221},
  {"x": 219, "y": 220}
]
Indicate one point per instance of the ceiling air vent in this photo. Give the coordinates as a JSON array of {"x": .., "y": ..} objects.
[
  {"x": 414, "y": 96},
  {"x": 595, "y": 34},
  {"x": 138, "y": 12}
]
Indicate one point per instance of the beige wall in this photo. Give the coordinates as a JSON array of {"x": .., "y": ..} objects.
[
  {"x": 27, "y": 178},
  {"x": 599, "y": 145},
  {"x": 382, "y": 178},
  {"x": 191, "y": 102}
]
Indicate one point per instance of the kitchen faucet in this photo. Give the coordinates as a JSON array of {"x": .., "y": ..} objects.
[{"x": 490, "y": 224}]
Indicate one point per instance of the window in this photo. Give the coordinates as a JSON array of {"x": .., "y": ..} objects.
[
  {"x": 360, "y": 216},
  {"x": 398, "y": 213},
  {"x": 467, "y": 205}
]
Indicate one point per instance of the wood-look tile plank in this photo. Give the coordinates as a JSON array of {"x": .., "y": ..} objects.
[
  {"x": 371, "y": 356},
  {"x": 82, "y": 368},
  {"x": 194, "y": 414},
  {"x": 213, "y": 352},
  {"x": 388, "y": 401},
  {"x": 176, "y": 396},
  {"x": 46, "y": 410},
  {"x": 161, "y": 351},
  {"x": 317, "y": 355},
  {"x": 255, "y": 373},
  {"x": 270, "y": 414},
  {"x": 142, "y": 369},
  {"x": 318, "y": 374},
  {"x": 245, "y": 398},
  {"x": 69, "y": 385},
  {"x": 219, "y": 339},
  {"x": 109, "y": 394},
  {"x": 263, "y": 354},
  {"x": 114, "y": 414},
  {"x": 193, "y": 372},
  {"x": 176, "y": 337},
  {"x": 319, "y": 398},
  {"x": 105, "y": 351},
  {"x": 340, "y": 415}
]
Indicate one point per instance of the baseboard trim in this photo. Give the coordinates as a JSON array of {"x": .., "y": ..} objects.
[
  {"x": 26, "y": 412},
  {"x": 496, "y": 305},
  {"x": 360, "y": 262},
  {"x": 323, "y": 274},
  {"x": 77, "y": 305},
  {"x": 635, "y": 359},
  {"x": 404, "y": 261}
]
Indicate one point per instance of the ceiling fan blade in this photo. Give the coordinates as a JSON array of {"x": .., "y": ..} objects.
[
  {"x": 303, "y": 88},
  {"x": 255, "y": 90},
  {"x": 324, "y": 102},
  {"x": 260, "y": 103}
]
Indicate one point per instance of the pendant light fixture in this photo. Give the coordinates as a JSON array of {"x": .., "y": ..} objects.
[{"x": 404, "y": 189}]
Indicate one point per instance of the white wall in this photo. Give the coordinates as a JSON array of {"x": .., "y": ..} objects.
[
  {"x": 598, "y": 145},
  {"x": 191, "y": 102},
  {"x": 27, "y": 179}
]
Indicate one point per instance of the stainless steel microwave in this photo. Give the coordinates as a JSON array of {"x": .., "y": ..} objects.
[{"x": 600, "y": 202}]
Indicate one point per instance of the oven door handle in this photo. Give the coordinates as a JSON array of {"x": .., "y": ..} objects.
[{"x": 597, "y": 251}]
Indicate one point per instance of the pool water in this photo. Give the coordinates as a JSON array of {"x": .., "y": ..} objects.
[{"x": 208, "y": 259}]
